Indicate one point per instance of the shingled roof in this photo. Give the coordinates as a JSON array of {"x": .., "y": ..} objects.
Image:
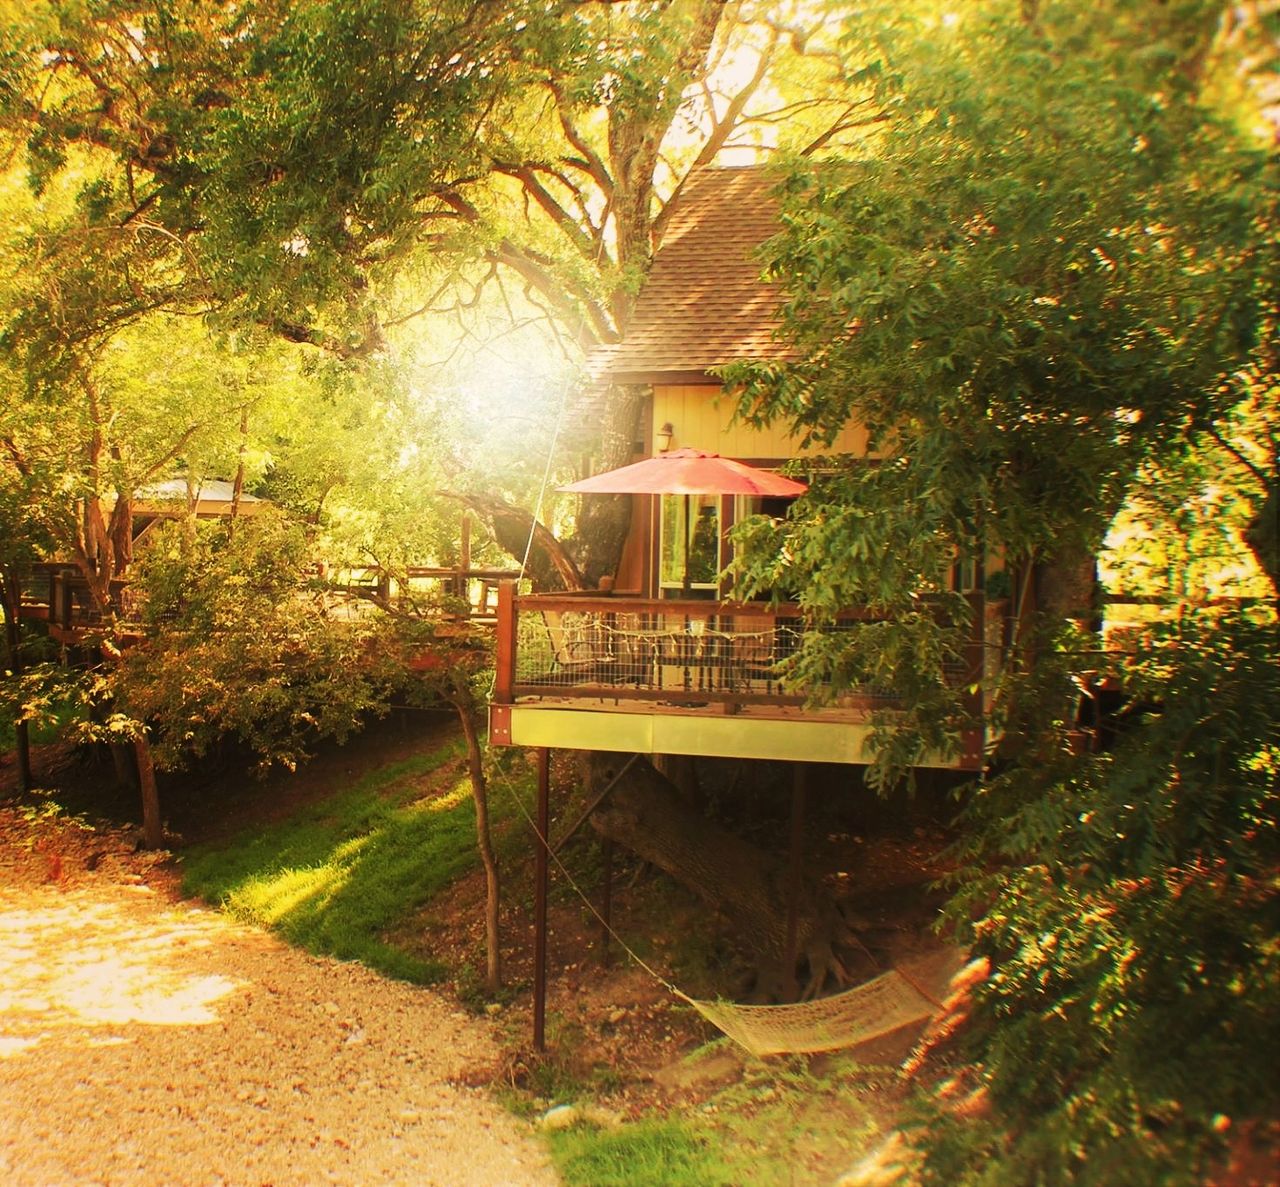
[{"x": 703, "y": 303}]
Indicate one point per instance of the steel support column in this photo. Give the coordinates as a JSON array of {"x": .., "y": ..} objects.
[{"x": 542, "y": 848}]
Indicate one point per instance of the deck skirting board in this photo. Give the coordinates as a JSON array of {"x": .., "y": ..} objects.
[{"x": 729, "y": 736}]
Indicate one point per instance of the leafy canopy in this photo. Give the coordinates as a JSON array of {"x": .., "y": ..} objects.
[
  {"x": 1048, "y": 272},
  {"x": 1035, "y": 276}
]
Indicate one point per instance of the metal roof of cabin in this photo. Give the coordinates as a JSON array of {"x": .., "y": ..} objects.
[
  {"x": 210, "y": 490},
  {"x": 703, "y": 303}
]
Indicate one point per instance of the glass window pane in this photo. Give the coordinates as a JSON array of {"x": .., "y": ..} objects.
[
  {"x": 690, "y": 543},
  {"x": 671, "y": 571}
]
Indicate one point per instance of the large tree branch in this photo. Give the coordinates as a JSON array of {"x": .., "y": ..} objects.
[
  {"x": 591, "y": 160},
  {"x": 16, "y": 455},
  {"x": 570, "y": 227},
  {"x": 170, "y": 454},
  {"x": 305, "y": 335},
  {"x": 1260, "y": 475},
  {"x": 429, "y": 306},
  {"x": 587, "y": 320},
  {"x": 527, "y": 539},
  {"x": 582, "y": 201}
]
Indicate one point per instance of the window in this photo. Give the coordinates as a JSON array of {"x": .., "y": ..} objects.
[{"x": 689, "y": 550}]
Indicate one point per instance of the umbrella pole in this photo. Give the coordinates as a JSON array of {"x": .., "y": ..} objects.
[{"x": 688, "y": 538}]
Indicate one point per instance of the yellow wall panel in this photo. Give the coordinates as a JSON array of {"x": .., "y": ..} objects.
[{"x": 702, "y": 417}]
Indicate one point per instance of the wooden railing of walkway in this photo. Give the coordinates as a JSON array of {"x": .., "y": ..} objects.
[{"x": 57, "y": 594}]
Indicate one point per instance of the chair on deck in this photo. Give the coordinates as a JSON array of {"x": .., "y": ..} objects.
[
  {"x": 580, "y": 646},
  {"x": 636, "y": 647},
  {"x": 754, "y": 652}
]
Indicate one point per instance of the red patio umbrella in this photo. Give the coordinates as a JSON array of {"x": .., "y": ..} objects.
[{"x": 687, "y": 472}]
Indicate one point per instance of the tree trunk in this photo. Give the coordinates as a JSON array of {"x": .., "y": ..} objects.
[
  {"x": 12, "y": 598},
  {"x": 1066, "y": 590},
  {"x": 463, "y": 702},
  {"x": 237, "y": 487},
  {"x": 1263, "y": 533},
  {"x": 152, "y": 829},
  {"x": 122, "y": 762},
  {"x": 682, "y": 773},
  {"x": 645, "y": 813},
  {"x": 547, "y": 563},
  {"x": 604, "y": 520},
  {"x": 22, "y": 750}
]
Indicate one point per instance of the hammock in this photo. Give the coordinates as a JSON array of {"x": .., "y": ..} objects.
[{"x": 867, "y": 1011}]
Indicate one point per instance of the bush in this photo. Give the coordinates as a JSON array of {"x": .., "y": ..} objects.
[{"x": 1127, "y": 903}]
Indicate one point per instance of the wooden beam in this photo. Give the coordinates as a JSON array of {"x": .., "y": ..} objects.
[
  {"x": 783, "y": 739},
  {"x": 504, "y": 674}
]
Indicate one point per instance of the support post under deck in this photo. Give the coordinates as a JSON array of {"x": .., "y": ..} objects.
[
  {"x": 540, "y": 879},
  {"x": 799, "y": 798}
]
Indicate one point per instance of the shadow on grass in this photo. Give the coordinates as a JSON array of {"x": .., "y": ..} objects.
[{"x": 337, "y": 875}]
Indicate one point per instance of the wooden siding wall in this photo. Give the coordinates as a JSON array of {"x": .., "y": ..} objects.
[
  {"x": 633, "y": 569},
  {"x": 702, "y": 416}
]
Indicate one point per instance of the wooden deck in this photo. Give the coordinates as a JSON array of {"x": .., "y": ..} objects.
[{"x": 681, "y": 677}]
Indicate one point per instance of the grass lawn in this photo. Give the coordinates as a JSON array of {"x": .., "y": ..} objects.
[
  {"x": 344, "y": 874},
  {"x": 660, "y": 1150},
  {"x": 783, "y": 1121},
  {"x": 336, "y": 875}
]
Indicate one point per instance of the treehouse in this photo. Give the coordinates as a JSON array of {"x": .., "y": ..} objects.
[
  {"x": 58, "y": 593},
  {"x": 665, "y": 660},
  {"x": 213, "y": 498}
]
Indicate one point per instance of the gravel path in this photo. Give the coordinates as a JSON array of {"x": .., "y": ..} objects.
[{"x": 147, "y": 1041}]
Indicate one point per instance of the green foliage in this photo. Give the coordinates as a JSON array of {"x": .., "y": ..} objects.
[
  {"x": 1128, "y": 904},
  {"x": 337, "y": 876},
  {"x": 281, "y": 147},
  {"x": 47, "y": 716},
  {"x": 1180, "y": 534},
  {"x": 669, "y": 1151},
  {"x": 62, "y": 703},
  {"x": 1194, "y": 526},
  {"x": 1045, "y": 273},
  {"x": 241, "y": 642}
]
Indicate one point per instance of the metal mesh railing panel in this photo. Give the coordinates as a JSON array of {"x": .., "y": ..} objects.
[{"x": 660, "y": 652}]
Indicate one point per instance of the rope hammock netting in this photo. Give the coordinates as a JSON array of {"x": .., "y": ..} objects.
[{"x": 877, "y": 1007}]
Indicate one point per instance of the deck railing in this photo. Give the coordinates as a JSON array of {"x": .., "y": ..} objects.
[
  {"x": 677, "y": 652},
  {"x": 59, "y": 594},
  {"x": 472, "y": 591}
]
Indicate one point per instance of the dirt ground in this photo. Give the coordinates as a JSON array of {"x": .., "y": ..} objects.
[
  {"x": 146, "y": 1040},
  {"x": 616, "y": 1032},
  {"x": 284, "y": 1074}
]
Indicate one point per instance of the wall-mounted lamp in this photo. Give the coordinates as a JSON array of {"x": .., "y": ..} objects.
[{"x": 662, "y": 438}]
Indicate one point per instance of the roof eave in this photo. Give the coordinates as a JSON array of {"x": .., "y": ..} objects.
[{"x": 662, "y": 378}]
